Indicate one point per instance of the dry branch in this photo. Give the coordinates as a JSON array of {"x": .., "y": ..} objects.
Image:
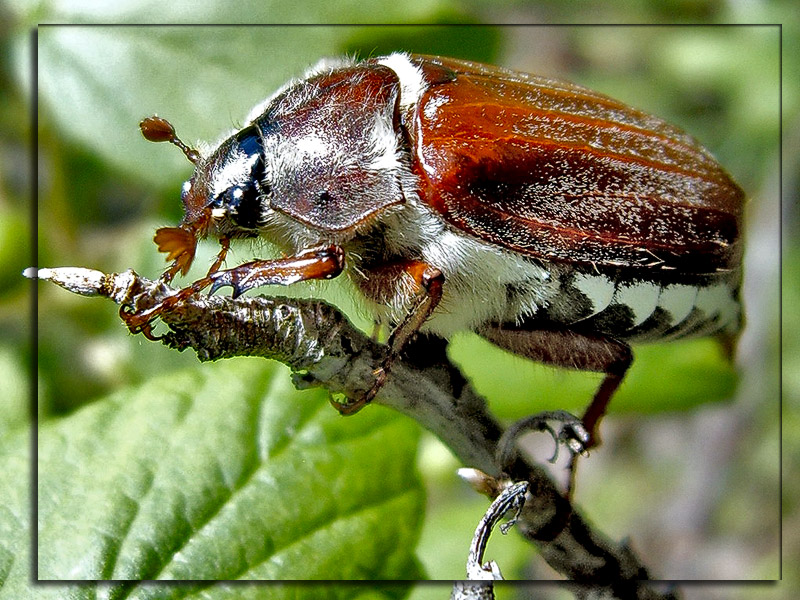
[{"x": 322, "y": 348}]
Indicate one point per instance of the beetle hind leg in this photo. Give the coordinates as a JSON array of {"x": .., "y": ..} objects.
[
  {"x": 573, "y": 434},
  {"x": 572, "y": 350}
]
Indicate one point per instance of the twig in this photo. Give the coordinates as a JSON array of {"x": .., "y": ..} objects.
[
  {"x": 322, "y": 348},
  {"x": 511, "y": 498}
]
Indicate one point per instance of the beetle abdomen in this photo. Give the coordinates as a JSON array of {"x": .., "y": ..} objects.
[{"x": 642, "y": 310}]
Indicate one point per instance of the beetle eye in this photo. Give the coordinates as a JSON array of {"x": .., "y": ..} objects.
[
  {"x": 244, "y": 203},
  {"x": 240, "y": 158}
]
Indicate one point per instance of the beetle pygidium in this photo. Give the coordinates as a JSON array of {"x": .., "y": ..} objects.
[{"x": 556, "y": 222}]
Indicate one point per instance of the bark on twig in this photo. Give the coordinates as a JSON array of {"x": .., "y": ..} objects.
[{"x": 322, "y": 348}]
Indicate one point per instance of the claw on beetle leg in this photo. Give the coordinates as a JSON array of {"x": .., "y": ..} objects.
[
  {"x": 145, "y": 329},
  {"x": 347, "y": 409},
  {"x": 230, "y": 278},
  {"x": 351, "y": 408},
  {"x": 134, "y": 326},
  {"x": 169, "y": 274},
  {"x": 572, "y": 434},
  {"x": 140, "y": 322}
]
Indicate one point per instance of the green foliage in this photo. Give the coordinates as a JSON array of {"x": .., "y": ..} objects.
[
  {"x": 221, "y": 472},
  {"x": 677, "y": 376}
]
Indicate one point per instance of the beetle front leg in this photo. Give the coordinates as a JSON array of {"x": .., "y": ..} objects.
[
  {"x": 428, "y": 282},
  {"x": 324, "y": 263},
  {"x": 225, "y": 244}
]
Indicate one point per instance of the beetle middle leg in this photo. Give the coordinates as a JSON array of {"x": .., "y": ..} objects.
[
  {"x": 426, "y": 284},
  {"x": 572, "y": 350}
]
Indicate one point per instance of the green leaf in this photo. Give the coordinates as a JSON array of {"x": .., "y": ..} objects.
[
  {"x": 15, "y": 536},
  {"x": 97, "y": 83},
  {"x": 139, "y": 12},
  {"x": 225, "y": 472}
]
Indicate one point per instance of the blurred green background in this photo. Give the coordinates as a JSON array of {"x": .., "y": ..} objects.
[{"x": 691, "y": 462}]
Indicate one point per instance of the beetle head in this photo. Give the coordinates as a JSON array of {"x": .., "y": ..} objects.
[
  {"x": 223, "y": 195},
  {"x": 319, "y": 161}
]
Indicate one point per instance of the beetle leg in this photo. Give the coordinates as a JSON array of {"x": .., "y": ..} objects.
[
  {"x": 313, "y": 264},
  {"x": 169, "y": 274},
  {"x": 571, "y": 350},
  {"x": 428, "y": 282},
  {"x": 178, "y": 265},
  {"x": 573, "y": 434},
  {"x": 226, "y": 244}
]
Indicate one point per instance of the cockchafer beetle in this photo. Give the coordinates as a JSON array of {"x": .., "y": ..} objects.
[{"x": 556, "y": 222}]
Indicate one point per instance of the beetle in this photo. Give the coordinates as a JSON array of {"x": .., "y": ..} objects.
[{"x": 554, "y": 221}]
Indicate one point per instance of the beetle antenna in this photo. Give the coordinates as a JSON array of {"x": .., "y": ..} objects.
[{"x": 156, "y": 129}]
